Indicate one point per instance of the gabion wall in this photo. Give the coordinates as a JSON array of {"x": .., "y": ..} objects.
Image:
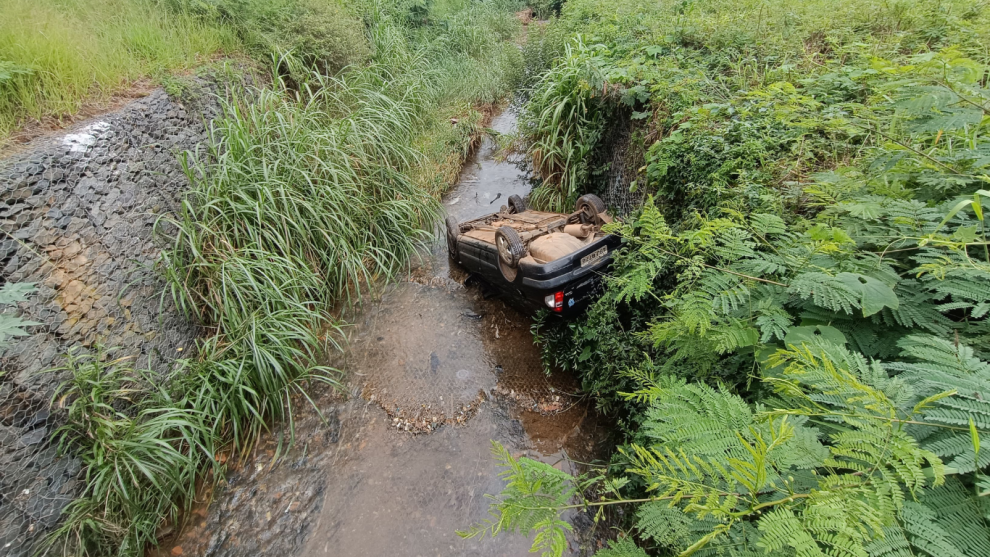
[
  {"x": 619, "y": 157},
  {"x": 77, "y": 212}
]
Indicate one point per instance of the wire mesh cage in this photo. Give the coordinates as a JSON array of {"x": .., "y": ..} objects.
[{"x": 77, "y": 214}]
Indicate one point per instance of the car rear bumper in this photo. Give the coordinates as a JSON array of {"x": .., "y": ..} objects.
[{"x": 580, "y": 285}]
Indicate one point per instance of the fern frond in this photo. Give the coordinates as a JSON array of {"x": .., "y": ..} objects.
[
  {"x": 665, "y": 524},
  {"x": 938, "y": 368},
  {"x": 727, "y": 292},
  {"x": 825, "y": 291},
  {"x": 893, "y": 543},
  {"x": 622, "y": 547},
  {"x": 530, "y": 502},
  {"x": 767, "y": 224},
  {"x": 925, "y": 534},
  {"x": 733, "y": 335},
  {"x": 736, "y": 243},
  {"x": 765, "y": 265},
  {"x": 781, "y": 528},
  {"x": 847, "y": 388},
  {"x": 550, "y": 539},
  {"x": 704, "y": 486},
  {"x": 916, "y": 310},
  {"x": 960, "y": 516}
]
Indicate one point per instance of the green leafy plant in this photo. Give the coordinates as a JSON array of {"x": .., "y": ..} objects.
[
  {"x": 811, "y": 314},
  {"x": 11, "y": 326},
  {"x": 141, "y": 452},
  {"x": 841, "y": 464},
  {"x": 532, "y": 496}
]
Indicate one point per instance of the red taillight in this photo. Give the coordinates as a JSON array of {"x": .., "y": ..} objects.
[{"x": 558, "y": 301}]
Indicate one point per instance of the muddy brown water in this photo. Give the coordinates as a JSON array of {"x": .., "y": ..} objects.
[{"x": 434, "y": 373}]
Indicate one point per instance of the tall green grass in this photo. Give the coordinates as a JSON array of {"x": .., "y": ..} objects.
[
  {"x": 564, "y": 118},
  {"x": 298, "y": 199},
  {"x": 144, "y": 439},
  {"x": 55, "y": 56}
]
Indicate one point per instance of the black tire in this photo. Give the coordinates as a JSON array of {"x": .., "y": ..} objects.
[
  {"x": 516, "y": 205},
  {"x": 589, "y": 204},
  {"x": 453, "y": 231},
  {"x": 509, "y": 245}
]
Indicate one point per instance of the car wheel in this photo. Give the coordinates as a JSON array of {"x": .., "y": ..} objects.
[
  {"x": 510, "y": 250},
  {"x": 510, "y": 245},
  {"x": 516, "y": 205},
  {"x": 590, "y": 205},
  {"x": 453, "y": 231}
]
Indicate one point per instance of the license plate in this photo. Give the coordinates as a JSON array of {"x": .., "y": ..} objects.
[{"x": 594, "y": 257}]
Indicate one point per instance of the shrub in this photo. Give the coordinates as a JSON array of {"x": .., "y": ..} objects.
[
  {"x": 141, "y": 451},
  {"x": 326, "y": 37}
]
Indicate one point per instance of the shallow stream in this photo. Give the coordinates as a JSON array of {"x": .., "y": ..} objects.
[{"x": 435, "y": 372}]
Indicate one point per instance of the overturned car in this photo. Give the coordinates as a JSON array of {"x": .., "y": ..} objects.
[{"x": 542, "y": 260}]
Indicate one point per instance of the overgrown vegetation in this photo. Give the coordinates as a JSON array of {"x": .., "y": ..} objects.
[
  {"x": 795, "y": 337},
  {"x": 57, "y": 55},
  {"x": 565, "y": 117},
  {"x": 140, "y": 449},
  {"x": 309, "y": 190},
  {"x": 322, "y": 33}
]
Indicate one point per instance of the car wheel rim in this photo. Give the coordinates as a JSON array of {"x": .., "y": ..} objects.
[{"x": 503, "y": 250}]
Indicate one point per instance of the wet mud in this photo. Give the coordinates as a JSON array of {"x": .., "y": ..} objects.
[{"x": 435, "y": 371}]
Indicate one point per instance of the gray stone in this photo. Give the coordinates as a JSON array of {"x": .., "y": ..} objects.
[
  {"x": 9, "y": 437},
  {"x": 54, "y": 174},
  {"x": 34, "y": 437},
  {"x": 14, "y": 210},
  {"x": 7, "y": 247},
  {"x": 97, "y": 217},
  {"x": 19, "y": 195},
  {"x": 40, "y": 418}
]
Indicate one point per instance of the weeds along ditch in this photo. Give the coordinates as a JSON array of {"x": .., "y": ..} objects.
[
  {"x": 794, "y": 339},
  {"x": 308, "y": 188}
]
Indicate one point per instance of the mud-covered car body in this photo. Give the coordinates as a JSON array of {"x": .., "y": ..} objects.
[{"x": 561, "y": 263}]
